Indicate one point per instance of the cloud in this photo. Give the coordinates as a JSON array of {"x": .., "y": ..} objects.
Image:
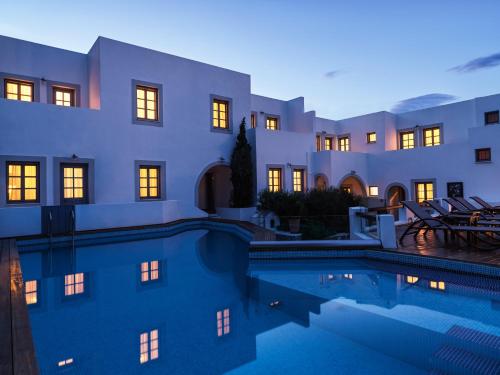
[
  {"x": 333, "y": 73},
  {"x": 424, "y": 101},
  {"x": 478, "y": 64}
]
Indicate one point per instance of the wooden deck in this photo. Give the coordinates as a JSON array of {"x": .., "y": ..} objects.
[
  {"x": 17, "y": 352},
  {"x": 434, "y": 246}
]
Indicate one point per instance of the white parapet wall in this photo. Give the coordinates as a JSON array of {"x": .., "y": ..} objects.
[
  {"x": 20, "y": 221},
  {"x": 105, "y": 216},
  {"x": 243, "y": 214}
]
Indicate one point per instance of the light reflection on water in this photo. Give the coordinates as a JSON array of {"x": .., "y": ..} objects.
[{"x": 191, "y": 304}]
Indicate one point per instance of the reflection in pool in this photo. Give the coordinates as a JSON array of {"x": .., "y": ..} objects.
[{"x": 191, "y": 304}]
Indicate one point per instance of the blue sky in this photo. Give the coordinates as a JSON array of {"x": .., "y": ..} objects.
[{"x": 345, "y": 57}]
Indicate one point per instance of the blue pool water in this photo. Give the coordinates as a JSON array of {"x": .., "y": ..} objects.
[{"x": 200, "y": 308}]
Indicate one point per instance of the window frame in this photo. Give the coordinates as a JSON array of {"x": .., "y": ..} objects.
[
  {"x": 273, "y": 117},
  {"x": 402, "y": 133},
  {"x": 368, "y": 141},
  {"x": 432, "y": 128},
  {"x": 85, "y": 184},
  {"x": 21, "y": 78},
  {"x": 19, "y": 82},
  {"x": 486, "y": 122},
  {"x": 162, "y": 179},
  {"x": 319, "y": 143},
  {"x": 281, "y": 171},
  {"x": 415, "y": 184},
  {"x": 148, "y": 178},
  {"x": 68, "y": 90},
  {"x": 159, "y": 103},
  {"x": 23, "y": 163},
  {"x": 253, "y": 120},
  {"x": 303, "y": 182},
  {"x": 341, "y": 138},
  {"x": 477, "y": 153},
  {"x": 330, "y": 139}
]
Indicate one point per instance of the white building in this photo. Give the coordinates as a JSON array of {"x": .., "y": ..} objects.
[{"x": 135, "y": 136}]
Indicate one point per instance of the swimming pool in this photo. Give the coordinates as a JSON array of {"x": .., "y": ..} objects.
[{"x": 193, "y": 304}]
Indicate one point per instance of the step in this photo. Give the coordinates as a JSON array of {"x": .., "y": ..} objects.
[{"x": 450, "y": 359}]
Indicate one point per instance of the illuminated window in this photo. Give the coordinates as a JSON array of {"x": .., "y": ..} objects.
[
  {"x": 439, "y": 285},
  {"x": 31, "y": 292},
  {"x": 298, "y": 180},
  {"x": 483, "y": 154},
  {"x": 432, "y": 137},
  {"x": 346, "y": 189},
  {"x": 274, "y": 179},
  {"x": 347, "y": 276},
  {"x": 74, "y": 182},
  {"x": 150, "y": 271},
  {"x": 223, "y": 323},
  {"x": 491, "y": 117},
  {"x": 411, "y": 279},
  {"x": 253, "y": 120},
  {"x": 63, "y": 96},
  {"x": 19, "y": 90},
  {"x": 407, "y": 140},
  {"x": 149, "y": 346},
  {"x": 65, "y": 362},
  {"x": 328, "y": 143},
  {"x": 318, "y": 143},
  {"x": 74, "y": 284},
  {"x": 147, "y": 103},
  {"x": 371, "y": 137},
  {"x": 23, "y": 182},
  {"x": 424, "y": 191},
  {"x": 220, "y": 110},
  {"x": 344, "y": 144},
  {"x": 272, "y": 123},
  {"x": 149, "y": 182},
  {"x": 373, "y": 191}
]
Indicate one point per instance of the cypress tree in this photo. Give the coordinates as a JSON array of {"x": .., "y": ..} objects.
[{"x": 242, "y": 170}]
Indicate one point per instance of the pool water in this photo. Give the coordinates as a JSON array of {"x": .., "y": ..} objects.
[{"x": 192, "y": 304}]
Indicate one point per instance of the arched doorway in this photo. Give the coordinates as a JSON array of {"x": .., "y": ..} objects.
[
  {"x": 320, "y": 182},
  {"x": 395, "y": 195},
  {"x": 214, "y": 188},
  {"x": 353, "y": 185}
]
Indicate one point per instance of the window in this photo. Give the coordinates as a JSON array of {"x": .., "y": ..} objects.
[
  {"x": 19, "y": 90},
  {"x": 328, "y": 143},
  {"x": 344, "y": 144},
  {"x": 373, "y": 191},
  {"x": 74, "y": 284},
  {"x": 491, "y": 118},
  {"x": 411, "y": 279},
  {"x": 424, "y": 191},
  {"x": 149, "y": 346},
  {"x": 371, "y": 137},
  {"x": 223, "y": 323},
  {"x": 432, "y": 137},
  {"x": 347, "y": 276},
  {"x": 220, "y": 110},
  {"x": 253, "y": 120},
  {"x": 272, "y": 123},
  {"x": 63, "y": 96},
  {"x": 74, "y": 183},
  {"x": 147, "y": 103},
  {"x": 274, "y": 179},
  {"x": 23, "y": 182},
  {"x": 407, "y": 140},
  {"x": 483, "y": 154},
  {"x": 439, "y": 285},
  {"x": 65, "y": 362},
  {"x": 298, "y": 180},
  {"x": 318, "y": 143},
  {"x": 149, "y": 182},
  {"x": 150, "y": 271},
  {"x": 31, "y": 292}
]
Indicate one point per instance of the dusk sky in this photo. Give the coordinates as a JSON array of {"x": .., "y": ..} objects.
[{"x": 345, "y": 57}]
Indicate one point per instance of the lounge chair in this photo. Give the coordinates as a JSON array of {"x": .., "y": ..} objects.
[
  {"x": 460, "y": 208},
  {"x": 485, "y": 204},
  {"x": 459, "y": 217},
  {"x": 464, "y": 202},
  {"x": 480, "y": 237}
]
